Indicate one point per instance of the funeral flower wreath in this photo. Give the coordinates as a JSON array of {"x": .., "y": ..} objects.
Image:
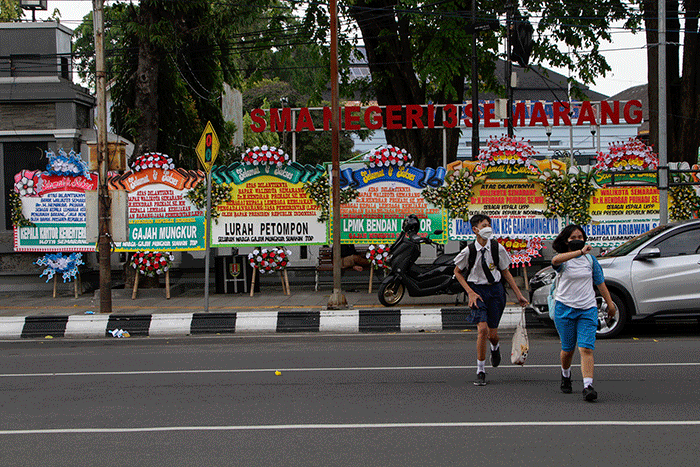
[
  {"x": 152, "y": 263},
  {"x": 58, "y": 263},
  {"x": 268, "y": 261}
]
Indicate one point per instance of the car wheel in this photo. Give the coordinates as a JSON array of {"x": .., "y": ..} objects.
[
  {"x": 611, "y": 328},
  {"x": 391, "y": 293}
]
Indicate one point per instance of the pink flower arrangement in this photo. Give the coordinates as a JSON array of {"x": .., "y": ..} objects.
[
  {"x": 28, "y": 182},
  {"x": 268, "y": 261},
  {"x": 151, "y": 263},
  {"x": 265, "y": 156},
  {"x": 632, "y": 155},
  {"x": 378, "y": 256},
  {"x": 507, "y": 151},
  {"x": 152, "y": 160},
  {"x": 389, "y": 155}
]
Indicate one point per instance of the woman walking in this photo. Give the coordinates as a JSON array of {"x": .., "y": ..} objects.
[{"x": 576, "y": 312}]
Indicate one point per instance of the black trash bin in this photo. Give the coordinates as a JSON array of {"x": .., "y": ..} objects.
[{"x": 233, "y": 274}]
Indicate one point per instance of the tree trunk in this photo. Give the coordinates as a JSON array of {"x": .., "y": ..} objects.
[
  {"x": 683, "y": 91},
  {"x": 389, "y": 55},
  {"x": 689, "y": 135},
  {"x": 146, "y": 99}
]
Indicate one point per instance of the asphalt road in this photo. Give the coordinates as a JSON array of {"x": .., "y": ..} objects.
[{"x": 389, "y": 400}]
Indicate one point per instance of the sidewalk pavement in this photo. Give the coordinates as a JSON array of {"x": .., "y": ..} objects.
[{"x": 35, "y": 314}]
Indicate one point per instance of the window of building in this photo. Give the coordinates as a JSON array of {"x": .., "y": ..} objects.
[{"x": 19, "y": 156}]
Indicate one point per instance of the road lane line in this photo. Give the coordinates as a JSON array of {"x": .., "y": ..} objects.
[
  {"x": 356, "y": 426},
  {"x": 322, "y": 369}
]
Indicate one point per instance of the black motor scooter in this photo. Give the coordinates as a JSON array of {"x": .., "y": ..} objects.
[{"x": 420, "y": 281}]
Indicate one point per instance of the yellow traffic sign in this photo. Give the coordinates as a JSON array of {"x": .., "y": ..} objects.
[{"x": 208, "y": 147}]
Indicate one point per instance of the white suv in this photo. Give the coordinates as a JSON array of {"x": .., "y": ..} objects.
[{"x": 655, "y": 274}]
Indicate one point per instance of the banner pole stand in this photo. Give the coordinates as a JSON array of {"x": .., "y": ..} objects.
[{"x": 206, "y": 241}]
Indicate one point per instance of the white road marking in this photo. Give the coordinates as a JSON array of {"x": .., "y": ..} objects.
[
  {"x": 355, "y": 426},
  {"x": 320, "y": 369}
]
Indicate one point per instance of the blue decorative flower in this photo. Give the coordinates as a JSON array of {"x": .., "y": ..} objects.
[
  {"x": 67, "y": 165},
  {"x": 58, "y": 263}
]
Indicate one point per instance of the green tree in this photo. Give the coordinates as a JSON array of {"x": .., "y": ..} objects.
[
  {"x": 10, "y": 11},
  {"x": 168, "y": 61},
  {"x": 420, "y": 52}
]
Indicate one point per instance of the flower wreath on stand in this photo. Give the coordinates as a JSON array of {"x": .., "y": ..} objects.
[
  {"x": 152, "y": 263},
  {"x": 61, "y": 264},
  {"x": 507, "y": 151},
  {"x": 386, "y": 156},
  {"x": 269, "y": 261},
  {"x": 265, "y": 155},
  {"x": 378, "y": 256}
]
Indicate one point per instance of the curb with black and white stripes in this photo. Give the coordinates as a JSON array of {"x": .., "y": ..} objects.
[{"x": 182, "y": 324}]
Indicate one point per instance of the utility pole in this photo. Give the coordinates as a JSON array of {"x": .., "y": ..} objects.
[
  {"x": 104, "y": 243},
  {"x": 663, "y": 113},
  {"x": 509, "y": 69},
  {"x": 337, "y": 300},
  {"x": 475, "y": 91}
]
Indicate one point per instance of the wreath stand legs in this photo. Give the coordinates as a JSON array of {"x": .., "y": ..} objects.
[
  {"x": 136, "y": 285},
  {"x": 55, "y": 285},
  {"x": 285, "y": 281},
  {"x": 371, "y": 277},
  {"x": 252, "y": 281}
]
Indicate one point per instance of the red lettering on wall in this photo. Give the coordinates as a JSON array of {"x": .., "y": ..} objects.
[
  {"x": 637, "y": 118},
  {"x": 393, "y": 117},
  {"x": 586, "y": 115},
  {"x": 561, "y": 110}
]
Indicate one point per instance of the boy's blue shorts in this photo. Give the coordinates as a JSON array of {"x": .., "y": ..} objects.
[
  {"x": 492, "y": 306},
  {"x": 576, "y": 325}
]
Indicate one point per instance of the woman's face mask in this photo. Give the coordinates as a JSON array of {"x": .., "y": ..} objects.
[
  {"x": 486, "y": 233},
  {"x": 575, "y": 245}
]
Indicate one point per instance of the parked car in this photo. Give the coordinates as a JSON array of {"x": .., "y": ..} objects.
[{"x": 656, "y": 274}]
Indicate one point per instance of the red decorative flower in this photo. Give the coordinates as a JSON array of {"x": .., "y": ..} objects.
[
  {"x": 265, "y": 156},
  {"x": 507, "y": 151},
  {"x": 389, "y": 155},
  {"x": 632, "y": 155},
  {"x": 152, "y": 160},
  {"x": 378, "y": 256}
]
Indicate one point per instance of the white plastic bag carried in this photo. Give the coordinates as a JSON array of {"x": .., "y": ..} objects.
[{"x": 521, "y": 345}]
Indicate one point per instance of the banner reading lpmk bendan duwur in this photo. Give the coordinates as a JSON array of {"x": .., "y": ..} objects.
[
  {"x": 268, "y": 206},
  {"x": 386, "y": 195}
]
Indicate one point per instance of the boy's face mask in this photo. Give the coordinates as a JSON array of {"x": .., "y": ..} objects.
[{"x": 486, "y": 233}]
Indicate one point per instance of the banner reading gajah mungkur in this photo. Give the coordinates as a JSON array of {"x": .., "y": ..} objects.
[
  {"x": 161, "y": 217},
  {"x": 268, "y": 206}
]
